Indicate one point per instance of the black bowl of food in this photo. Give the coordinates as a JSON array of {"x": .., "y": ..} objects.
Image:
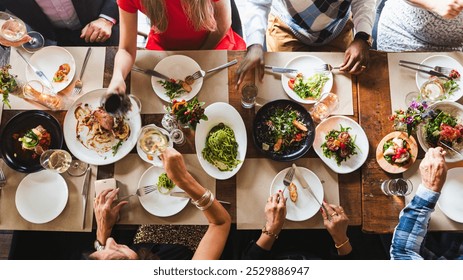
[
  {"x": 24, "y": 138},
  {"x": 283, "y": 130}
]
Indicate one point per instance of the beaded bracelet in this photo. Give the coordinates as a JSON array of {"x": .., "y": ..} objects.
[
  {"x": 271, "y": 234},
  {"x": 340, "y": 245}
]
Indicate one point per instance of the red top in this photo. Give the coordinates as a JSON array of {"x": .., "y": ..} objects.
[{"x": 180, "y": 34}]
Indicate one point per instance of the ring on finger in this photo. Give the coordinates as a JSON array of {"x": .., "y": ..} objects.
[
  {"x": 334, "y": 214},
  {"x": 364, "y": 67}
]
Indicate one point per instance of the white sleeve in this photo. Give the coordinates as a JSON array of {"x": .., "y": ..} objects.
[
  {"x": 256, "y": 21},
  {"x": 363, "y": 12}
]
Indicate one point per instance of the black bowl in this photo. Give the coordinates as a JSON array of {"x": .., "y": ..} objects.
[
  {"x": 259, "y": 134},
  {"x": 11, "y": 150}
]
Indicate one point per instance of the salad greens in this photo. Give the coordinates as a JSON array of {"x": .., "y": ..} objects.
[
  {"x": 7, "y": 84},
  {"x": 29, "y": 140},
  {"x": 173, "y": 88},
  {"x": 165, "y": 184},
  {"x": 221, "y": 148},
  {"x": 443, "y": 127},
  {"x": 339, "y": 144},
  {"x": 310, "y": 88}
]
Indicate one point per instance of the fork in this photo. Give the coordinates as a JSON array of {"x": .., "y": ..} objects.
[
  {"x": 201, "y": 73},
  {"x": 141, "y": 192},
  {"x": 444, "y": 70},
  {"x": 78, "y": 84},
  {"x": 327, "y": 68},
  {"x": 288, "y": 178},
  {"x": 450, "y": 148}
]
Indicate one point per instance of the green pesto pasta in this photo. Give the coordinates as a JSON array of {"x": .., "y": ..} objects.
[{"x": 221, "y": 148}]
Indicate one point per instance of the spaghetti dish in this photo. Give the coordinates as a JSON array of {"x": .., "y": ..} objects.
[{"x": 99, "y": 131}]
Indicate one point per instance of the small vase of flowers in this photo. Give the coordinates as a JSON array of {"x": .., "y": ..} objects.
[{"x": 187, "y": 113}]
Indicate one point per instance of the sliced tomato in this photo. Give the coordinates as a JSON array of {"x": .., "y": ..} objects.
[{"x": 291, "y": 83}]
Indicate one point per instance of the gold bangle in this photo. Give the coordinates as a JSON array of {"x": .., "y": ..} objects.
[
  {"x": 271, "y": 234},
  {"x": 342, "y": 244}
]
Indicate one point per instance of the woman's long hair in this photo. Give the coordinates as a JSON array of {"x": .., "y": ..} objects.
[{"x": 199, "y": 12}]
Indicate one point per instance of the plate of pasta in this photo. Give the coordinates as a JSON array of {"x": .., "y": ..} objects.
[
  {"x": 221, "y": 141},
  {"x": 94, "y": 136}
]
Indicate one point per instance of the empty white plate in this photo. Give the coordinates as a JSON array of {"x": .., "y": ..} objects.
[{"x": 451, "y": 198}]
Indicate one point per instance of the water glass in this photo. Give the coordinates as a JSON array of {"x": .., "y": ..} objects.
[
  {"x": 398, "y": 187},
  {"x": 411, "y": 96},
  {"x": 56, "y": 160},
  {"x": 177, "y": 136},
  {"x": 169, "y": 122},
  {"x": 248, "y": 96},
  {"x": 326, "y": 104},
  {"x": 37, "y": 92}
]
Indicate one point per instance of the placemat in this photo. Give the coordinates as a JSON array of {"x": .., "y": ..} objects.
[
  {"x": 129, "y": 170},
  {"x": 272, "y": 89},
  {"x": 253, "y": 183},
  {"x": 92, "y": 79},
  {"x": 439, "y": 220},
  {"x": 214, "y": 88},
  {"x": 403, "y": 80},
  {"x": 69, "y": 220}
]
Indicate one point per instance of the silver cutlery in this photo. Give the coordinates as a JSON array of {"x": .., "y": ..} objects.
[
  {"x": 78, "y": 84},
  {"x": 450, "y": 148},
  {"x": 430, "y": 72},
  {"x": 280, "y": 69},
  {"x": 185, "y": 195},
  {"x": 201, "y": 73},
  {"x": 151, "y": 73},
  {"x": 85, "y": 187},
  {"x": 327, "y": 68},
  {"x": 142, "y": 191},
  {"x": 39, "y": 73},
  {"x": 306, "y": 186},
  {"x": 441, "y": 69}
]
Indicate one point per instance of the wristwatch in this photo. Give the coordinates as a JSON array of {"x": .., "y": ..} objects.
[
  {"x": 97, "y": 245},
  {"x": 364, "y": 36}
]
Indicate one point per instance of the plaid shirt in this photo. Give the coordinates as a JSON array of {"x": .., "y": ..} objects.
[
  {"x": 313, "y": 22},
  {"x": 410, "y": 233}
]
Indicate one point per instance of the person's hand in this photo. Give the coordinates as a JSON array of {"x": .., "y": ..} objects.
[
  {"x": 433, "y": 169},
  {"x": 16, "y": 44},
  {"x": 106, "y": 213},
  {"x": 356, "y": 57},
  {"x": 117, "y": 85},
  {"x": 447, "y": 9},
  {"x": 275, "y": 212},
  {"x": 174, "y": 166},
  {"x": 97, "y": 31},
  {"x": 254, "y": 59},
  {"x": 337, "y": 227}
]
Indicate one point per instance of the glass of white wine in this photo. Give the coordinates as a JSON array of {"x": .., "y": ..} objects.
[
  {"x": 77, "y": 168},
  {"x": 152, "y": 141},
  {"x": 13, "y": 29},
  {"x": 56, "y": 160}
]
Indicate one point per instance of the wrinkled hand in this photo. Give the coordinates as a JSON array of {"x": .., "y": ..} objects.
[
  {"x": 337, "y": 227},
  {"x": 174, "y": 165},
  {"x": 356, "y": 57},
  {"x": 16, "y": 44},
  {"x": 106, "y": 213},
  {"x": 254, "y": 59},
  {"x": 447, "y": 9},
  {"x": 433, "y": 169},
  {"x": 97, "y": 31},
  {"x": 275, "y": 212}
]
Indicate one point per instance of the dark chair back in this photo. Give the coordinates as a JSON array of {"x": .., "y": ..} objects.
[{"x": 236, "y": 21}]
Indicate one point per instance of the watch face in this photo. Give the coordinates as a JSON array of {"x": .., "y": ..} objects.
[{"x": 98, "y": 246}]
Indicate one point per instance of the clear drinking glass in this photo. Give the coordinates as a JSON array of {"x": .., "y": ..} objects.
[
  {"x": 77, "y": 168},
  {"x": 34, "y": 90},
  {"x": 169, "y": 122},
  {"x": 398, "y": 187},
  {"x": 248, "y": 95},
  {"x": 326, "y": 104},
  {"x": 177, "y": 136},
  {"x": 13, "y": 29},
  {"x": 411, "y": 96},
  {"x": 152, "y": 141},
  {"x": 433, "y": 90},
  {"x": 120, "y": 104},
  {"x": 56, "y": 160}
]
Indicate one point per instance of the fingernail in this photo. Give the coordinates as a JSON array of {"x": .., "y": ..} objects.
[{"x": 279, "y": 190}]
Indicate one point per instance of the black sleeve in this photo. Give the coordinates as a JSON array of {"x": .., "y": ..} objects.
[
  {"x": 110, "y": 9},
  {"x": 254, "y": 252}
]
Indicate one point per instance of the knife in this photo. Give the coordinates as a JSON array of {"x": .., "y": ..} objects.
[
  {"x": 280, "y": 69},
  {"x": 151, "y": 73},
  {"x": 40, "y": 74},
  {"x": 185, "y": 195},
  {"x": 306, "y": 186},
  {"x": 85, "y": 193},
  {"x": 430, "y": 72}
]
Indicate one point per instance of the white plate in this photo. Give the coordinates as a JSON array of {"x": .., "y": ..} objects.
[
  {"x": 355, "y": 161},
  {"x": 306, "y": 65},
  {"x": 93, "y": 99},
  {"x": 451, "y": 198},
  {"x": 455, "y": 110},
  {"x": 305, "y": 206},
  {"x": 41, "y": 196},
  {"x": 48, "y": 60},
  {"x": 445, "y": 61},
  {"x": 176, "y": 67},
  {"x": 157, "y": 204},
  {"x": 220, "y": 112}
]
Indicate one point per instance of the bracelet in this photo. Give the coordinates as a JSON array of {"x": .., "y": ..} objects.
[
  {"x": 202, "y": 198},
  {"x": 271, "y": 234},
  {"x": 209, "y": 203},
  {"x": 342, "y": 244},
  {"x": 205, "y": 201}
]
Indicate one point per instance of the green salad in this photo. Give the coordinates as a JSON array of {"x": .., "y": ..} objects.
[
  {"x": 7, "y": 84},
  {"x": 173, "y": 88},
  {"x": 443, "y": 127},
  {"x": 221, "y": 148},
  {"x": 339, "y": 145},
  {"x": 310, "y": 88},
  {"x": 165, "y": 184}
]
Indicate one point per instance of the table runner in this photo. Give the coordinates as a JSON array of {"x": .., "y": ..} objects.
[
  {"x": 129, "y": 170},
  {"x": 214, "y": 88},
  {"x": 439, "y": 221},
  {"x": 271, "y": 87},
  {"x": 403, "y": 80},
  {"x": 69, "y": 220},
  {"x": 253, "y": 189},
  {"x": 92, "y": 79}
]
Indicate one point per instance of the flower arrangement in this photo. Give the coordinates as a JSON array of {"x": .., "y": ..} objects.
[
  {"x": 7, "y": 84},
  {"x": 187, "y": 112},
  {"x": 409, "y": 119}
]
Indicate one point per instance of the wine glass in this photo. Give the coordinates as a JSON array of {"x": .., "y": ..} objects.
[
  {"x": 56, "y": 160},
  {"x": 119, "y": 104},
  {"x": 152, "y": 141},
  {"x": 77, "y": 168},
  {"x": 326, "y": 104},
  {"x": 13, "y": 29}
]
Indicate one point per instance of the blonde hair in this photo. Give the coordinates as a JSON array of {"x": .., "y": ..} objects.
[{"x": 200, "y": 14}]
